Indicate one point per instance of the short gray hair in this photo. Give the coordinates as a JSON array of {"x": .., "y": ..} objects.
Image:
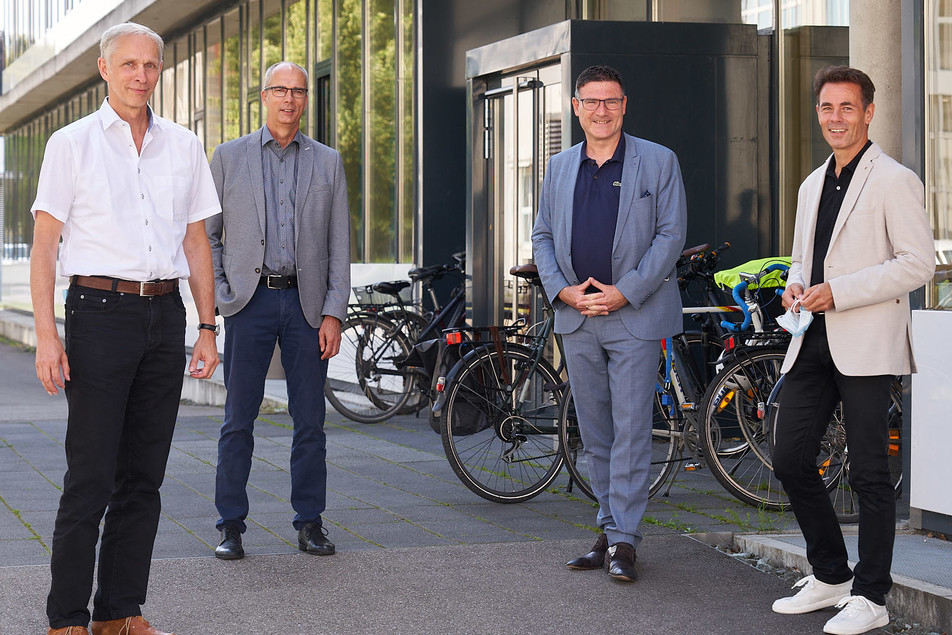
[
  {"x": 268, "y": 74},
  {"x": 112, "y": 35}
]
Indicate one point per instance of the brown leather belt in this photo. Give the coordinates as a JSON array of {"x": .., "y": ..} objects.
[{"x": 156, "y": 287}]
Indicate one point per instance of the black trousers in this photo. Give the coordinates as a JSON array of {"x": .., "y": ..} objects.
[
  {"x": 811, "y": 391},
  {"x": 127, "y": 361}
]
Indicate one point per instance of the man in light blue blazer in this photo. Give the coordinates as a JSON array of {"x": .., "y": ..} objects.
[
  {"x": 610, "y": 227},
  {"x": 281, "y": 252}
]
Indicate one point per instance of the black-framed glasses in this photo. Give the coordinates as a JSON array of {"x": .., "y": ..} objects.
[
  {"x": 612, "y": 103},
  {"x": 281, "y": 91}
]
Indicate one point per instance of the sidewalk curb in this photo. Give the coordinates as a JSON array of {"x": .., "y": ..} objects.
[{"x": 926, "y": 603}]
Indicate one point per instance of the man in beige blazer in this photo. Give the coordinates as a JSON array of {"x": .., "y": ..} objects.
[{"x": 862, "y": 242}]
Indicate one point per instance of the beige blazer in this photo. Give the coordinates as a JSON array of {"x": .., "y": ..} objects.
[{"x": 881, "y": 249}]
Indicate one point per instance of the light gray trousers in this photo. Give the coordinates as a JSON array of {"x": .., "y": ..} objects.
[{"x": 613, "y": 377}]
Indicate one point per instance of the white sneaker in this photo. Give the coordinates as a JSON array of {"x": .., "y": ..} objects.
[
  {"x": 813, "y": 596},
  {"x": 859, "y": 615}
]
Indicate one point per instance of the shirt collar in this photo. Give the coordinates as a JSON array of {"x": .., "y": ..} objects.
[
  {"x": 851, "y": 166},
  {"x": 266, "y": 136},
  {"x": 108, "y": 116},
  {"x": 618, "y": 156}
]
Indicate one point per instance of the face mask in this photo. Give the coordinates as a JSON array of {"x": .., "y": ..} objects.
[{"x": 793, "y": 322}]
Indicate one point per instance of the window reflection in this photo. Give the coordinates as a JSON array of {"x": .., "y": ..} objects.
[
  {"x": 938, "y": 60},
  {"x": 210, "y": 83}
]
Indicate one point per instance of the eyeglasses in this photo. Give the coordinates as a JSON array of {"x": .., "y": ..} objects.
[
  {"x": 612, "y": 103},
  {"x": 281, "y": 91}
]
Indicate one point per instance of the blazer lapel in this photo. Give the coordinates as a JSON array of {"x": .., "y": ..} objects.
[
  {"x": 257, "y": 176},
  {"x": 856, "y": 187},
  {"x": 629, "y": 178},
  {"x": 305, "y": 166},
  {"x": 811, "y": 211},
  {"x": 565, "y": 204}
]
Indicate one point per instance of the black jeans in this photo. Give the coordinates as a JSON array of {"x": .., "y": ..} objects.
[
  {"x": 127, "y": 361},
  {"x": 811, "y": 391}
]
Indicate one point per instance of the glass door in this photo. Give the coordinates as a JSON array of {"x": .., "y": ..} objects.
[{"x": 522, "y": 129}]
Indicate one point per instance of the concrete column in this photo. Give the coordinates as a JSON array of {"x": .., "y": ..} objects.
[{"x": 876, "y": 49}]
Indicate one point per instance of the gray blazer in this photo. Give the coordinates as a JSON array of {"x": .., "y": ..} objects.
[
  {"x": 321, "y": 227},
  {"x": 649, "y": 237}
]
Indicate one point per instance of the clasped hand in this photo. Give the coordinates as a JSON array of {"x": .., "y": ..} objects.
[{"x": 607, "y": 299}]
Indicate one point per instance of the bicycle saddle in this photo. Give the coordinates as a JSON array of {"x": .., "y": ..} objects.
[{"x": 391, "y": 288}]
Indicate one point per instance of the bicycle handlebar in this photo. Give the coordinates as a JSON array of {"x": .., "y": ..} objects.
[{"x": 746, "y": 281}]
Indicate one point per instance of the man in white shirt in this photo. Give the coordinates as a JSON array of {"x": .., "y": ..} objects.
[{"x": 128, "y": 193}]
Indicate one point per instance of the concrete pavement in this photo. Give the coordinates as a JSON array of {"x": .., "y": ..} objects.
[{"x": 417, "y": 551}]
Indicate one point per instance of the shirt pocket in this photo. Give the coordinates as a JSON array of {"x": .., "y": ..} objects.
[{"x": 172, "y": 196}]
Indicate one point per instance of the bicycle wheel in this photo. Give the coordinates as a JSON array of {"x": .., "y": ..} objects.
[
  {"x": 664, "y": 444},
  {"x": 500, "y": 429},
  {"x": 833, "y": 461},
  {"x": 570, "y": 442},
  {"x": 733, "y": 433},
  {"x": 363, "y": 382}
]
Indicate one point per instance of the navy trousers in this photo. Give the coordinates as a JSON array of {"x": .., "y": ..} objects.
[
  {"x": 810, "y": 393},
  {"x": 272, "y": 315},
  {"x": 127, "y": 362}
]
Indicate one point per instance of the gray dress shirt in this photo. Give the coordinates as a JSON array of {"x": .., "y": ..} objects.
[{"x": 280, "y": 178}]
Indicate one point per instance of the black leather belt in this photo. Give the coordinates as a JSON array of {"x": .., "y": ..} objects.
[
  {"x": 278, "y": 282},
  {"x": 102, "y": 283}
]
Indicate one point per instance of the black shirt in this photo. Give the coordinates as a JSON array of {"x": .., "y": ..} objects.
[
  {"x": 834, "y": 190},
  {"x": 594, "y": 214}
]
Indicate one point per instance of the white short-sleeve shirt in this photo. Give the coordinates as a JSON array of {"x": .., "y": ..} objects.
[{"x": 124, "y": 212}]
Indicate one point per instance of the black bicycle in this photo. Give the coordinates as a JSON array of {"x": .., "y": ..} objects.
[{"x": 367, "y": 381}]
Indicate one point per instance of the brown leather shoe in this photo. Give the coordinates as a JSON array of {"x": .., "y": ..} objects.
[
  {"x": 594, "y": 559},
  {"x": 126, "y": 626},
  {"x": 68, "y": 630}
]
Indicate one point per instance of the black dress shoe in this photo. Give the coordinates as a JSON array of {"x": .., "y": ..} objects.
[
  {"x": 312, "y": 538},
  {"x": 230, "y": 547},
  {"x": 594, "y": 559},
  {"x": 622, "y": 563}
]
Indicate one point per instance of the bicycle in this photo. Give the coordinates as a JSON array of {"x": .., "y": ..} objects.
[
  {"x": 675, "y": 438},
  {"x": 499, "y": 408},
  {"x": 366, "y": 381},
  {"x": 833, "y": 460}
]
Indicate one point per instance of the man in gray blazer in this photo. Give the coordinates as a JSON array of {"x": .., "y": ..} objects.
[
  {"x": 610, "y": 227},
  {"x": 281, "y": 251},
  {"x": 862, "y": 242}
]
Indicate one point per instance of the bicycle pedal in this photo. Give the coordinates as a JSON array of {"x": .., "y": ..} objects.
[
  {"x": 692, "y": 466},
  {"x": 688, "y": 407}
]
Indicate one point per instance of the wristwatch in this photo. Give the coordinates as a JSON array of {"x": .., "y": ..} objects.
[{"x": 209, "y": 327}]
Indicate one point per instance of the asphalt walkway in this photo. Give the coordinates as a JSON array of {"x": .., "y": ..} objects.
[{"x": 417, "y": 551}]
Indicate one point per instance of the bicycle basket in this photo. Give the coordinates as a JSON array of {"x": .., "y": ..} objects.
[{"x": 368, "y": 298}]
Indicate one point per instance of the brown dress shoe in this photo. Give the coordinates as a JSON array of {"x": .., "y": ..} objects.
[
  {"x": 68, "y": 630},
  {"x": 126, "y": 626},
  {"x": 594, "y": 559}
]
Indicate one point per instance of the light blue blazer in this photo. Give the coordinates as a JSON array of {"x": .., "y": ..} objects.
[{"x": 649, "y": 237}]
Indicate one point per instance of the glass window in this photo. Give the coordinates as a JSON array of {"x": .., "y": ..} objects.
[
  {"x": 938, "y": 62},
  {"x": 213, "y": 87},
  {"x": 181, "y": 82},
  {"x": 350, "y": 115},
  {"x": 273, "y": 42},
  {"x": 231, "y": 68},
  {"x": 381, "y": 133}
]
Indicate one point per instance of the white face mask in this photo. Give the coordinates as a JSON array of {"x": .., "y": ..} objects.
[{"x": 793, "y": 322}]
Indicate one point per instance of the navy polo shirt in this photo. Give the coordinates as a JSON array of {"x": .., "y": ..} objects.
[{"x": 594, "y": 214}]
